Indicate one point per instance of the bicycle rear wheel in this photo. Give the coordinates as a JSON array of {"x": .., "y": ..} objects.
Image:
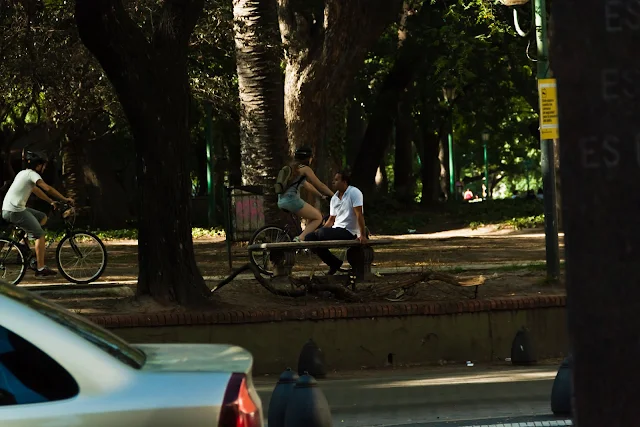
[
  {"x": 12, "y": 264},
  {"x": 81, "y": 257},
  {"x": 267, "y": 234}
]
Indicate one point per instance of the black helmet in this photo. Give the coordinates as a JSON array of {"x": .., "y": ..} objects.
[
  {"x": 303, "y": 153},
  {"x": 34, "y": 158}
]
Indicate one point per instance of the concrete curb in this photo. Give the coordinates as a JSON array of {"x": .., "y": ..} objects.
[{"x": 333, "y": 312}]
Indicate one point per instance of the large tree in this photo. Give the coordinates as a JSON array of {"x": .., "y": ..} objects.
[
  {"x": 325, "y": 44},
  {"x": 149, "y": 74}
]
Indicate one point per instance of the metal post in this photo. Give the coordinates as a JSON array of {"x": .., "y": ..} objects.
[
  {"x": 546, "y": 150},
  {"x": 211, "y": 193},
  {"x": 452, "y": 174},
  {"x": 486, "y": 171}
]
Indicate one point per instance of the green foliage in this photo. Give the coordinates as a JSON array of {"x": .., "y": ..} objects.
[
  {"x": 132, "y": 234},
  {"x": 470, "y": 46}
]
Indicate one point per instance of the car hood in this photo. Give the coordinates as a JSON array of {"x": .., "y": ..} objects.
[{"x": 196, "y": 357}]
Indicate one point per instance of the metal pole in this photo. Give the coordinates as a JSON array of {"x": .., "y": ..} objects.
[
  {"x": 486, "y": 171},
  {"x": 546, "y": 150},
  {"x": 211, "y": 194},
  {"x": 452, "y": 174}
]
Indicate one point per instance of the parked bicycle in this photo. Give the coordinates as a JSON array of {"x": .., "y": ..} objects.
[
  {"x": 80, "y": 255},
  {"x": 276, "y": 234}
]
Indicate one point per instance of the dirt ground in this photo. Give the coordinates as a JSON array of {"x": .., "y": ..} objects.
[{"x": 496, "y": 256}]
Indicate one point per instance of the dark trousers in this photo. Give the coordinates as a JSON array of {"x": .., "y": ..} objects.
[{"x": 326, "y": 233}]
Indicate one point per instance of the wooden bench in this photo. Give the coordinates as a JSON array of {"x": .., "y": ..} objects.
[{"x": 360, "y": 256}]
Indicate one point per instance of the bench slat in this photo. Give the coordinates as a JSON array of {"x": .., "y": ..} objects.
[{"x": 319, "y": 244}]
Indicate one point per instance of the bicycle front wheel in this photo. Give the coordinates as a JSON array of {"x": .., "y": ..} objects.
[
  {"x": 12, "y": 265},
  {"x": 81, "y": 257},
  {"x": 266, "y": 234}
]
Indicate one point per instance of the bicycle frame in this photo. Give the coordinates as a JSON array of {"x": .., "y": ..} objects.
[{"x": 298, "y": 228}]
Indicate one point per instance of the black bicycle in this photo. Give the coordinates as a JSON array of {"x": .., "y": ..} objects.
[{"x": 80, "y": 255}]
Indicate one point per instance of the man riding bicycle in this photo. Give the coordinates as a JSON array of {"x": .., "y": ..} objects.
[{"x": 15, "y": 211}]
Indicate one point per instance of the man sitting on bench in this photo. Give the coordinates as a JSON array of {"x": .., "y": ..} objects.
[{"x": 346, "y": 220}]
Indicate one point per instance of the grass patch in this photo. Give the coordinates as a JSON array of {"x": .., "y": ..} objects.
[
  {"x": 534, "y": 266},
  {"x": 391, "y": 217},
  {"x": 132, "y": 233}
]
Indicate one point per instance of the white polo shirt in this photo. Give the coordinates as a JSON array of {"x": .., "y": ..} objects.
[{"x": 342, "y": 209}]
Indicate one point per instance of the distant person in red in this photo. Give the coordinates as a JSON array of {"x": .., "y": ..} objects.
[{"x": 468, "y": 195}]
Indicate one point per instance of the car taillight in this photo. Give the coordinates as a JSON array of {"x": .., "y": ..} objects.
[{"x": 238, "y": 408}]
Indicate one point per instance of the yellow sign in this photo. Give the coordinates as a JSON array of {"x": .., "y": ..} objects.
[{"x": 548, "y": 109}]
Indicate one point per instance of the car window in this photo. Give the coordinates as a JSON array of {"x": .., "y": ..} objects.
[
  {"x": 107, "y": 341},
  {"x": 29, "y": 375}
]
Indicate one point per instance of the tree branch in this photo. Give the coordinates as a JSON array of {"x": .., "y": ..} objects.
[
  {"x": 108, "y": 31},
  {"x": 343, "y": 47}
]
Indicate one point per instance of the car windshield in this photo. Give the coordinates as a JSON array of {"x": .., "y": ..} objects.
[{"x": 91, "y": 332}]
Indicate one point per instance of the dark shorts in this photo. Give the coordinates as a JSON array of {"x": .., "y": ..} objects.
[{"x": 28, "y": 220}]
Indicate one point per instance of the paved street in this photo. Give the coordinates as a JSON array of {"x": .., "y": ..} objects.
[{"x": 449, "y": 396}]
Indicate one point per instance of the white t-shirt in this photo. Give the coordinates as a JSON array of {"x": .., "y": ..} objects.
[
  {"x": 20, "y": 190},
  {"x": 343, "y": 209}
]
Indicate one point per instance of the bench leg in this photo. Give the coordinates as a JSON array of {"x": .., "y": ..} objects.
[
  {"x": 283, "y": 262},
  {"x": 360, "y": 258}
]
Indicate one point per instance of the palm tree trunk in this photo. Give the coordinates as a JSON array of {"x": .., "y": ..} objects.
[{"x": 263, "y": 140}]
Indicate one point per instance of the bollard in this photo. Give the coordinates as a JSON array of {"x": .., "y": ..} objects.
[
  {"x": 562, "y": 389},
  {"x": 311, "y": 360},
  {"x": 280, "y": 397},
  {"x": 307, "y": 405},
  {"x": 522, "y": 349}
]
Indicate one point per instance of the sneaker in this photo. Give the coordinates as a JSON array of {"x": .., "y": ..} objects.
[
  {"x": 297, "y": 239},
  {"x": 46, "y": 271}
]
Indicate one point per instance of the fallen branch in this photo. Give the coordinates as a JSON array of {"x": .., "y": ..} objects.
[
  {"x": 338, "y": 285},
  {"x": 232, "y": 276},
  {"x": 316, "y": 285}
]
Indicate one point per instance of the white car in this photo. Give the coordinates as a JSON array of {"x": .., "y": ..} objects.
[{"x": 59, "y": 369}]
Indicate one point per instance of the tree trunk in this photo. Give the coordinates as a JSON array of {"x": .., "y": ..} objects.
[
  {"x": 403, "y": 179},
  {"x": 262, "y": 128},
  {"x": 74, "y": 165},
  {"x": 325, "y": 45},
  {"x": 233, "y": 153},
  {"x": 150, "y": 78},
  {"x": 428, "y": 148},
  {"x": 200, "y": 166},
  {"x": 556, "y": 165},
  {"x": 409, "y": 58},
  {"x": 443, "y": 158},
  {"x": 111, "y": 189},
  {"x": 356, "y": 126},
  {"x": 383, "y": 185}
]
